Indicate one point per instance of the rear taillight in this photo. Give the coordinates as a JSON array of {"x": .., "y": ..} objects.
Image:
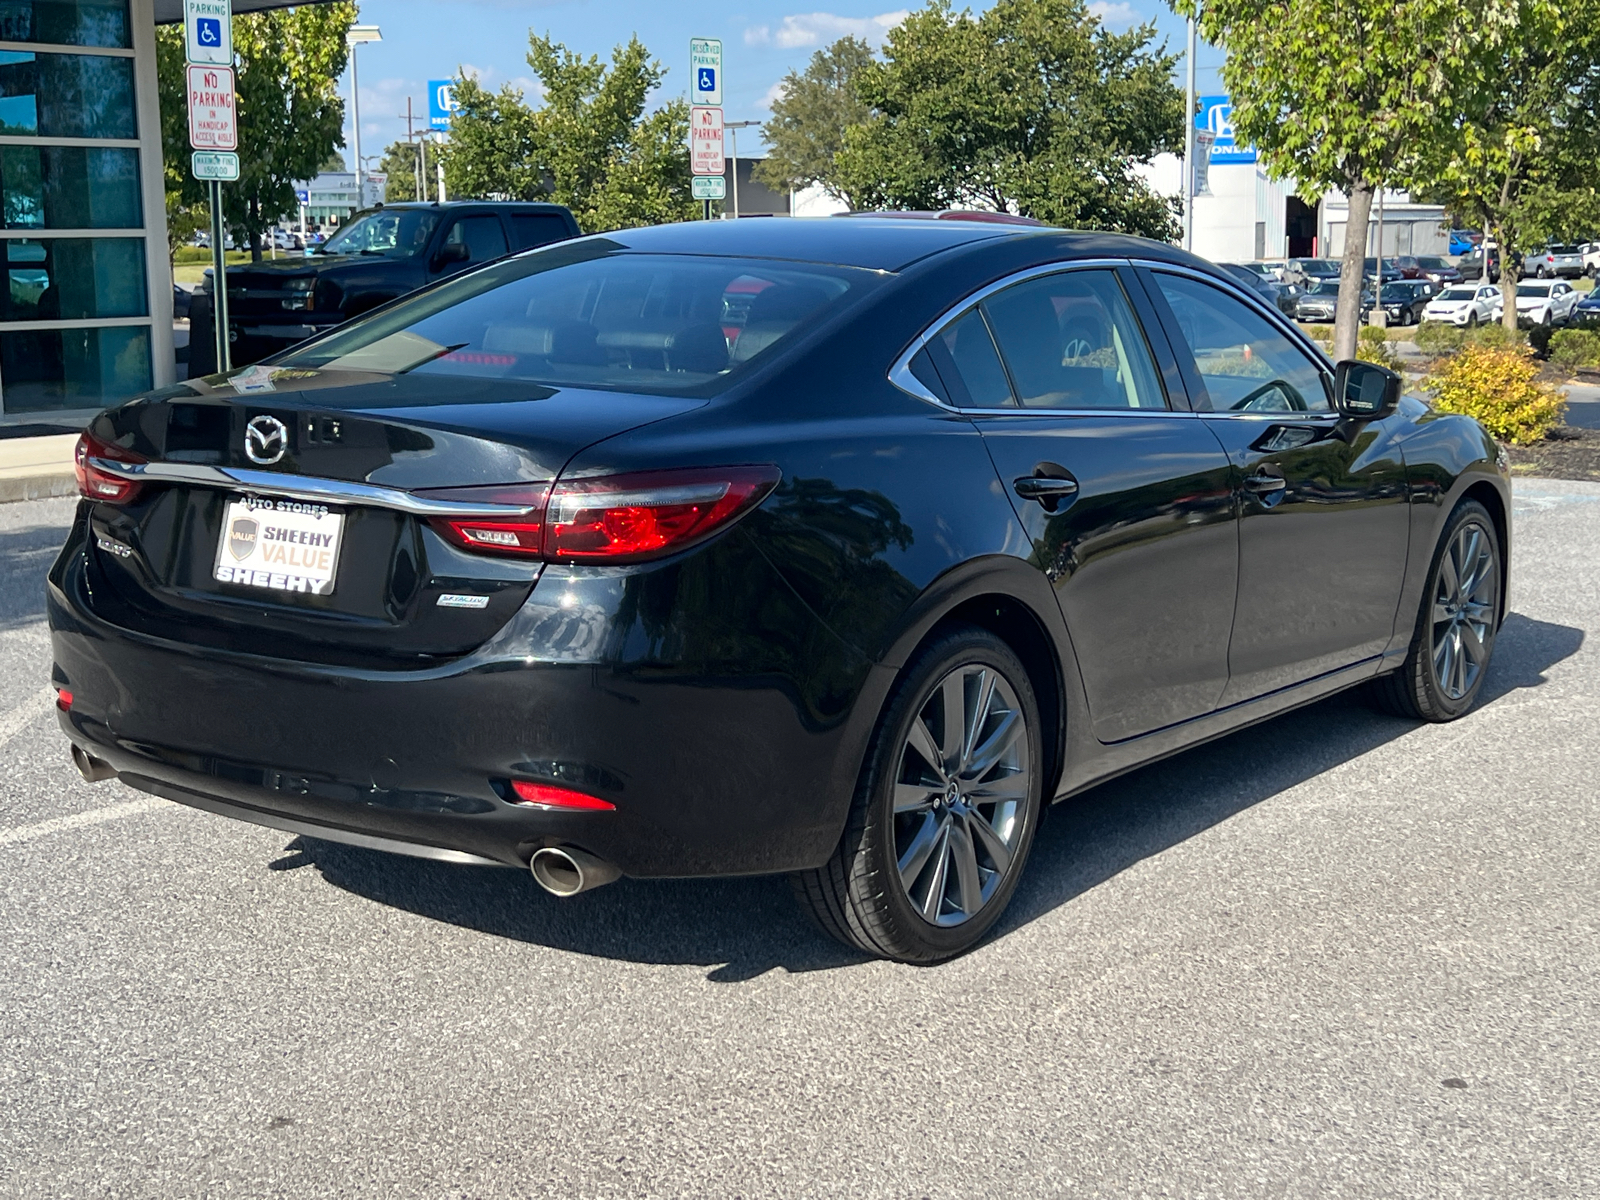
[
  {"x": 548, "y": 795},
  {"x": 96, "y": 484},
  {"x": 612, "y": 518}
]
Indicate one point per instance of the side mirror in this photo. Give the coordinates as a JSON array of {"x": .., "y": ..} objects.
[
  {"x": 1365, "y": 391},
  {"x": 451, "y": 252}
]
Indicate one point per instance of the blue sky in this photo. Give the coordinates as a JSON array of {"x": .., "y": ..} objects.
[{"x": 762, "y": 39}]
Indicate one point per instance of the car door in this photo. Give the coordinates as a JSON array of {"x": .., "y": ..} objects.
[
  {"x": 1122, "y": 501},
  {"x": 468, "y": 241},
  {"x": 1563, "y": 299},
  {"x": 1485, "y": 301},
  {"x": 1324, "y": 516}
]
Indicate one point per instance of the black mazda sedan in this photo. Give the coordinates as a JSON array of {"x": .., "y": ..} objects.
[{"x": 834, "y": 548}]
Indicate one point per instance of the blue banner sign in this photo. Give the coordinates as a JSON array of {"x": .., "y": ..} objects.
[
  {"x": 442, "y": 103},
  {"x": 1216, "y": 114}
]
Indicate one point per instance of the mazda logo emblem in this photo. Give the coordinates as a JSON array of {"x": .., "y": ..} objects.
[{"x": 266, "y": 439}]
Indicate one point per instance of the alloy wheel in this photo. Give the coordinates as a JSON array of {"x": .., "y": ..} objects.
[
  {"x": 960, "y": 795},
  {"x": 1464, "y": 602}
]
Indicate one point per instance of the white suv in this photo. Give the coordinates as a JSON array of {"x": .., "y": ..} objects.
[{"x": 1464, "y": 304}]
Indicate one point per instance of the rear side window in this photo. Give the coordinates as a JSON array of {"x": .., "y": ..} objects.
[
  {"x": 484, "y": 237},
  {"x": 538, "y": 229},
  {"x": 577, "y": 315},
  {"x": 967, "y": 361}
]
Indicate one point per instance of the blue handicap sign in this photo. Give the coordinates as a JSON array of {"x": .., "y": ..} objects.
[
  {"x": 706, "y": 81},
  {"x": 208, "y": 31}
]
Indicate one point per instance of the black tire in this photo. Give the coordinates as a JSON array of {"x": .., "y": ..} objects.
[
  {"x": 1472, "y": 320},
  {"x": 858, "y": 896},
  {"x": 1415, "y": 690}
]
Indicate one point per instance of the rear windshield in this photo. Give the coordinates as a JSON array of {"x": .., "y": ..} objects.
[{"x": 580, "y": 316}]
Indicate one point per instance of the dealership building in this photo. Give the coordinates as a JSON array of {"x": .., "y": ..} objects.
[{"x": 87, "y": 313}]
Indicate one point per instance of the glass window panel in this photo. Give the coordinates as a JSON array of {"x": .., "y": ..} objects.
[
  {"x": 1071, "y": 341},
  {"x": 74, "y": 279},
  {"x": 70, "y": 187},
  {"x": 47, "y": 369},
  {"x": 66, "y": 22},
  {"x": 977, "y": 367},
  {"x": 66, "y": 95},
  {"x": 1245, "y": 363}
]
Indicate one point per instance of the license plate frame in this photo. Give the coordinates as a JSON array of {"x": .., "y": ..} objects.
[{"x": 285, "y": 547}]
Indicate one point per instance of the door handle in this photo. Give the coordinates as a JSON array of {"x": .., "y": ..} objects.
[
  {"x": 1045, "y": 491},
  {"x": 1262, "y": 483}
]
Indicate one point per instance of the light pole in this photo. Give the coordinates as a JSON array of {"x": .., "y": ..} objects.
[
  {"x": 1189, "y": 148},
  {"x": 353, "y": 37},
  {"x": 736, "y": 126}
]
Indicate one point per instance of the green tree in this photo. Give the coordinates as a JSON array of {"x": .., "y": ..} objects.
[
  {"x": 399, "y": 162},
  {"x": 1032, "y": 107},
  {"x": 806, "y": 131},
  {"x": 589, "y": 146},
  {"x": 1340, "y": 94},
  {"x": 291, "y": 117},
  {"x": 1520, "y": 153}
]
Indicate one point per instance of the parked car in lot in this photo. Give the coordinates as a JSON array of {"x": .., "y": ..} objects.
[
  {"x": 1464, "y": 241},
  {"x": 1464, "y": 304},
  {"x": 1282, "y": 270},
  {"x": 374, "y": 257},
  {"x": 834, "y": 548},
  {"x": 1591, "y": 259},
  {"x": 1313, "y": 269},
  {"x": 1550, "y": 303},
  {"x": 1471, "y": 265},
  {"x": 1438, "y": 270},
  {"x": 1587, "y": 310},
  {"x": 1565, "y": 261},
  {"x": 1390, "y": 272},
  {"x": 1404, "y": 302},
  {"x": 1281, "y": 296},
  {"x": 1319, "y": 299}
]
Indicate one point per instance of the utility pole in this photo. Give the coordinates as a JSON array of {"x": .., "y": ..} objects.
[
  {"x": 355, "y": 36},
  {"x": 736, "y": 126},
  {"x": 1188, "y": 147},
  {"x": 416, "y": 156}
]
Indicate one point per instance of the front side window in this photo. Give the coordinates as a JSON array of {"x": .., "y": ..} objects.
[
  {"x": 1245, "y": 363},
  {"x": 1071, "y": 341},
  {"x": 391, "y": 233},
  {"x": 578, "y": 315},
  {"x": 482, "y": 236}
]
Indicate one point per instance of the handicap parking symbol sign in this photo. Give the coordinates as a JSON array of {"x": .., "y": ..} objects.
[
  {"x": 706, "y": 80},
  {"x": 208, "y": 31}
]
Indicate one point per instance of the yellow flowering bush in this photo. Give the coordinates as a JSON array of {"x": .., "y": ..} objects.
[{"x": 1497, "y": 387}]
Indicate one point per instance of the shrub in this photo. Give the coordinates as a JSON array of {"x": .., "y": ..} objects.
[
  {"x": 1497, "y": 337},
  {"x": 1497, "y": 387},
  {"x": 1319, "y": 333},
  {"x": 1372, "y": 345},
  {"x": 1437, "y": 337},
  {"x": 1575, "y": 347}
]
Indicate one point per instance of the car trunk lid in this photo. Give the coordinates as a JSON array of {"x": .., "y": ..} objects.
[{"x": 313, "y": 540}]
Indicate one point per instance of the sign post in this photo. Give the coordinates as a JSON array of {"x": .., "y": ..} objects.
[
  {"x": 706, "y": 162},
  {"x": 213, "y": 134}
]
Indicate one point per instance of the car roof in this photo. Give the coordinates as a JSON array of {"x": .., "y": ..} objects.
[
  {"x": 448, "y": 205},
  {"x": 883, "y": 244}
]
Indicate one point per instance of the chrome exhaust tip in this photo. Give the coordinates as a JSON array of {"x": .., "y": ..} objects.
[
  {"x": 566, "y": 870},
  {"x": 95, "y": 770}
]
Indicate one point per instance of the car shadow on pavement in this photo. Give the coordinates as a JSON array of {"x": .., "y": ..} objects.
[
  {"x": 743, "y": 928},
  {"x": 25, "y": 558}
]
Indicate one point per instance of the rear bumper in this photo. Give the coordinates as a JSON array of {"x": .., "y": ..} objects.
[{"x": 710, "y": 775}]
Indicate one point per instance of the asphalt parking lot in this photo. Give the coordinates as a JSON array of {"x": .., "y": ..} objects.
[{"x": 1337, "y": 955}]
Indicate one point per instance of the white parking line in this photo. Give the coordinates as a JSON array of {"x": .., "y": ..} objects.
[
  {"x": 95, "y": 816},
  {"x": 16, "y": 720}
]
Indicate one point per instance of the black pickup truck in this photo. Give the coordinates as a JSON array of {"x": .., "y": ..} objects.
[{"x": 377, "y": 255}]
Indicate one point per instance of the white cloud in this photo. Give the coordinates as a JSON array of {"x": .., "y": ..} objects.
[
  {"x": 1114, "y": 12},
  {"x": 774, "y": 94},
  {"x": 803, "y": 30}
]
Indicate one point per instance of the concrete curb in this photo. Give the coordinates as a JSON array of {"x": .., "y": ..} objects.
[{"x": 37, "y": 487}]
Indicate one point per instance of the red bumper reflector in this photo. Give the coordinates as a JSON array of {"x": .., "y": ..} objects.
[
  {"x": 63, "y": 699},
  {"x": 548, "y": 795}
]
